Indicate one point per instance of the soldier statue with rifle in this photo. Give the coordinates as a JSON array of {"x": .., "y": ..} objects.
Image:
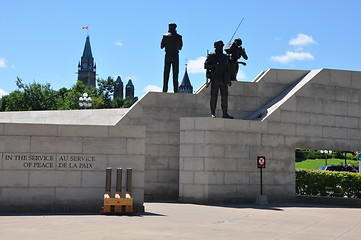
[{"x": 217, "y": 66}]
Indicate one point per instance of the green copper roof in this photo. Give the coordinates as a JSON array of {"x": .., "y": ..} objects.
[{"x": 87, "y": 54}]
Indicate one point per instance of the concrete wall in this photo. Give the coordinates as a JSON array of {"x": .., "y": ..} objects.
[
  {"x": 300, "y": 109},
  {"x": 62, "y": 167}
]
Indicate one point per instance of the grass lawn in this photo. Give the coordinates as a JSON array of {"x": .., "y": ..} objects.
[{"x": 315, "y": 163}]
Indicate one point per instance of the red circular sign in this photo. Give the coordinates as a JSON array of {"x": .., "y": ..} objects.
[{"x": 261, "y": 161}]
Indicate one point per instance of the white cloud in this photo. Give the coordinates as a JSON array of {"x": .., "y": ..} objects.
[
  {"x": 152, "y": 88},
  {"x": 3, "y": 93},
  {"x": 119, "y": 44},
  {"x": 293, "y": 56},
  {"x": 3, "y": 63},
  {"x": 241, "y": 75},
  {"x": 196, "y": 66},
  {"x": 302, "y": 40}
]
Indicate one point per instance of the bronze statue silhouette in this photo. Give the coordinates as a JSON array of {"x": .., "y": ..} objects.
[
  {"x": 235, "y": 51},
  {"x": 217, "y": 65},
  {"x": 172, "y": 42}
]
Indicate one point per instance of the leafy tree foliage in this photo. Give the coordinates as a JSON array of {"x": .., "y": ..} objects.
[{"x": 36, "y": 96}]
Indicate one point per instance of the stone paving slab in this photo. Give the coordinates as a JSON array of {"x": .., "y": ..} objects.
[{"x": 190, "y": 221}]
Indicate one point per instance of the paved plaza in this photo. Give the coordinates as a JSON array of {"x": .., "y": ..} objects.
[{"x": 190, "y": 221}]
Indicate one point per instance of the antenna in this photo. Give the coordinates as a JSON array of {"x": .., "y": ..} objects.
[{"x": 236, "y": 29}]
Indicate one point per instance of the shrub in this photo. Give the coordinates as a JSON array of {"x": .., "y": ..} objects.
[{"x": 328, "y": 183}]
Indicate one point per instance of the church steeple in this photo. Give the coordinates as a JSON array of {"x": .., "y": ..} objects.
[
  {"x": 186, "y": 86},
  {"x": 118, "y": 88},
  {"x": 87, "y": 67},
  {"x": 129, "y": 90}
]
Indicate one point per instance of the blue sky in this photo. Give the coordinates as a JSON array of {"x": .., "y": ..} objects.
[{"x": 43, "y": 41}]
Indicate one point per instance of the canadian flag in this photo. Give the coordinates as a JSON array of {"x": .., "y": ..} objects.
[{"x": 84, "y": 27}]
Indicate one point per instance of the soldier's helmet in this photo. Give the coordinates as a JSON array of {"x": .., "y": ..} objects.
[
  {"x": 218, "y": 43},
  {"x": 238, "y": 41}
]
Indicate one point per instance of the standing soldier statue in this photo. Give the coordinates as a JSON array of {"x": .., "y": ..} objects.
[
  {"x": 235, "y": 52},
  {"x": 217, "y": 65},
  {"x": 172, "y": 42}
]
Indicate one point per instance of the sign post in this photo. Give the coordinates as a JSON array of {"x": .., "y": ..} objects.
[{"x": 261, "y": 163}]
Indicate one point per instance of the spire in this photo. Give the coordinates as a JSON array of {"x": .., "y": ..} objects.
[
  {"x": 87, "y": 53},
  {"x": 129, "y": 90},
  {"x": 186, "y": 86},
  {"x": 118, "y": 88}
]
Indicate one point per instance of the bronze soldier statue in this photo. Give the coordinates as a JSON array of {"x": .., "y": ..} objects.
[
  {"x": 217, "y": 65},
  {"x": 172, "y": 42},
  {"x": 235, "y": 51}
]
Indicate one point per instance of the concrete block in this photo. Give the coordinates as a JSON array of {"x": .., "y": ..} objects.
[
  {"x": 40, "y": 179},
  {"x": 186, "y": 177},
  {"x": 312, "y": 105},
  {"x": 321, "y": 91},
  {"x": 210, "y": 150},
  {"x": 322, "y": 119},
  {"x": 323, "y": 77},
  {"x": 96, "y": 179},
  {"x": 237, "y": 125},
  {"x": 346, "y": 122},
  {"x": 77, "y": 195},
  {"x": 104, "y": 145},
  {"x": 209, "y": 123},
  {"x": 192, "y": 137},
  {"x": 220, "y": 164},
  {"x": 193, "y": 164},
  {"x": 168, "y": 150},
  {"x": 289, "y": 104},
  {"x": 56, "y": 145},
  {"x": 14, "y": 178},
  {"x": 156, "y": 138},
  {"x": 174, "y": 138},
  {"x": 340, "y": 78},
  {"x": 269, "y": 140},
  {"x": 236, "y": 178},
  {"x": 173, "y": 162},
  {"x": 353, "y": 109},
  {"x": 19, "y": 196},
  {"x": 14, "y": 144},
  {"x": 156, "y": 163},
  {"x": 249, "y": 139},
  {"x": 194, "y": 191},
  {"x": 347, "y": 95},
  {"x": 151, "y": 149},
  {"x": 281, "y": 128},
  {"x": 222, "y": 192},
  {"x": 220, "y": 137},
  {"x": 126, "y": 131},
  {"x": 309, "y": 130},
  {"x": 136, "y": 146},
  {"x": 353, "y": 134},
  {"x": 288, "y": 116},
  {"x": 236, "y": 151},
  {"x": 86, "y": 131},
  {"x": 150, "y": 176},
  {"x": 168, "y": 176},
  {"x": 201, "y": 178},
  {"x": 303, "y": 117},
  {"x": 2, "y": 126},
  {"x": 289, "y": 76},
  {"x": 187, "y": 150},
  {"x": 214, "y": 177},
  {"x": 356, "y": 79},
  {"x": 30, "y": 129},
  {"x": 335, "y": 108},
  {"x": 151, "y": 124},
  {"x": 334, "y": 132}
]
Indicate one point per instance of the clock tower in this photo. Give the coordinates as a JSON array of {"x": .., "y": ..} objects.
[{"x": 86, "y": 66}]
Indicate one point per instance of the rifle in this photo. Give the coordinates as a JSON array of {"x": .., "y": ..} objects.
[{"x": 208, "y": 80}]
